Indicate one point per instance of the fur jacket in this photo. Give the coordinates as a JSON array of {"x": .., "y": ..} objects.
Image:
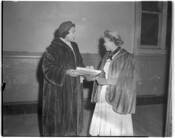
[{"x": 122, "y": 94}]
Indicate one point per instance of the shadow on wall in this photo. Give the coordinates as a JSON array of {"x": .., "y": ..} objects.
[
  {"x": 101, "y": 49},
  {"x": 40, "y": 78}
]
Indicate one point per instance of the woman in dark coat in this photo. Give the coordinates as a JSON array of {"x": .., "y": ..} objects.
[
  {"x": 62, "y": 113},
  {"x": 114, "y": 91}
]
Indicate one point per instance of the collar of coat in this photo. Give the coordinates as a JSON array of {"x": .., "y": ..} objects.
[
  {"x": 121, "y": 52},
  {"x": 114, "y": 52},
  {"x": 58, "y": 41}
]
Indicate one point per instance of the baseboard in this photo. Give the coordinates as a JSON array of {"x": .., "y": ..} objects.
[
  {"x": 13, "y": 108},
  {"x": 34, "y": 107},
  {"x": 151, "y": 99}
]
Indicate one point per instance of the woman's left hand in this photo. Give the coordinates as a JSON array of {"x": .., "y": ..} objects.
[{"x": 101, "y": 81}]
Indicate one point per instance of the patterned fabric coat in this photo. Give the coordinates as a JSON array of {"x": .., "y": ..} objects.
[
  {"x": 62, "y": 113},
  {"x": 122, "y": 94}
]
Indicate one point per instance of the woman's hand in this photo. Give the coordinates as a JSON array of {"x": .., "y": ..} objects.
[
  {"x": 101, "y": 81},
  {"x": 89, "y": 77},
  {"x": 72, "y": 73}
]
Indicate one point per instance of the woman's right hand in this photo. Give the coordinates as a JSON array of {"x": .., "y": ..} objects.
[
  {"x": 72, "y": 73},
  {"x": 101, "y": 81}
]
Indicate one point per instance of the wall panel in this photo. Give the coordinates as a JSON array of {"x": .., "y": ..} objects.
[{"x": 23, "y": 75}]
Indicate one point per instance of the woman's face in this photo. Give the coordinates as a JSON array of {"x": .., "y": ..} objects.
[
  {"x": 109, "y": 45},
  {"x": 71, "y": 36}
]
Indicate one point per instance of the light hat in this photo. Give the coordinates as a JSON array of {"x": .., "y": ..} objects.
[{"x": 113, "y": 35}]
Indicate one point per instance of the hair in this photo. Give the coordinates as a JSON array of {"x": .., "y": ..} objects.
[
  {"x": 63, "y": 35},
  {"x": 116, "y": 39},
  {"x": 63, "y": 29}
]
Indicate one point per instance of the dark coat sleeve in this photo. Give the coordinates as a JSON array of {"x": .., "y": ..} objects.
[{"x": 53, "y": 72}]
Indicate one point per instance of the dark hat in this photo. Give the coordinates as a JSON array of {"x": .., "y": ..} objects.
[{"x": 65, "y": 27}]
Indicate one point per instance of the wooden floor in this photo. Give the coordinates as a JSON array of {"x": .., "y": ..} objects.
[{"x": 148, "y": 121}]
